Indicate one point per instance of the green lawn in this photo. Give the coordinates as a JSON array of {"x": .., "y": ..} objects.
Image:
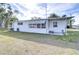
[
  {"x": 31, "y": 43},
  {"x": 70, "y": 37}
]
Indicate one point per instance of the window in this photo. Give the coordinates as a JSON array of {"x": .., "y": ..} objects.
[
  {"x": 54, "y": 24},
  {"x": 32, "y": 26},
  {"x": 20, "y": 23},
  {"x": 43, "y": 25},
  {"x": 38, "y": 25}
]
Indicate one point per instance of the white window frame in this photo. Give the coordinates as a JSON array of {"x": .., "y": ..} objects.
[{"x": 55, "y": 24}]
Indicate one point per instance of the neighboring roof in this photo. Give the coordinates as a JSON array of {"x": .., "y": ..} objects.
[{"x": 59, "y": 18}]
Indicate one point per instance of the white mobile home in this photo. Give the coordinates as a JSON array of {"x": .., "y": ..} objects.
[{"x": 55, "y": 26}]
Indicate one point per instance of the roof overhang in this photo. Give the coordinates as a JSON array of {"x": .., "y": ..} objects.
[{"x": 59, "y": 18}]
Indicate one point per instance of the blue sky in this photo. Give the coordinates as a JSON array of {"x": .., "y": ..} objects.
[{"x": 29, "y": 10}]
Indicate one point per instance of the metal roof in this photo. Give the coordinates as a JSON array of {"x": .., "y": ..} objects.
[{"x": 59, "y": 18}]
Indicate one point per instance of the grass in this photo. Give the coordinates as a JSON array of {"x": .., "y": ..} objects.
[
  {"x": 71, "y": 37},
  {"x": 32, "y": 43}
]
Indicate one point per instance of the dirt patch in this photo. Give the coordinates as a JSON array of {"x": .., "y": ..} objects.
[{"x": 15, "y": 46}]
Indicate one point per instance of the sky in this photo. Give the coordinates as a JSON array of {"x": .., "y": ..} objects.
[{"x": 29, "y": 10}]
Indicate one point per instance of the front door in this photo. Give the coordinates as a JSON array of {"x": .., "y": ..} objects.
[
  {"x": 50, "y": 25},
  {"x": 53, "y": 26}
]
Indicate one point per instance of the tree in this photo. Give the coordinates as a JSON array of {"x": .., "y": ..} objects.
[
  {"x": 6, "y": 13},
  {"x": 12, "y": 20},
  {"x": 53, "y": 16}
]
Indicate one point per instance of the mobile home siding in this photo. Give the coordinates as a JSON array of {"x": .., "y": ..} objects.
[
  {"x": 25, "y": 27},
  {"x": 59, "y": 30}
]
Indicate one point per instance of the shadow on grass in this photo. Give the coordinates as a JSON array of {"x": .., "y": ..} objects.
[{"x": 46, "y": 39}]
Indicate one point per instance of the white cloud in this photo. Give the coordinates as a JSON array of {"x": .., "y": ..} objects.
[
  {"x": 76, "y": 18},
  {"x": 35, "y": 10},
  {"x": 59, "y": 8}
]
